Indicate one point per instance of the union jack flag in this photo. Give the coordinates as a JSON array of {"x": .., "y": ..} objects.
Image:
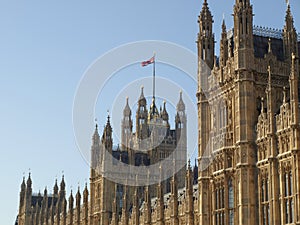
[{"x": 147, "y": 62}]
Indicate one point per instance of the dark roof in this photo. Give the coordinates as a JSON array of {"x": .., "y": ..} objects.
[
  {"x": 261, "y": 37},
  {"x": 39, "y": 198},
  {"x": 261, "y": 47}
]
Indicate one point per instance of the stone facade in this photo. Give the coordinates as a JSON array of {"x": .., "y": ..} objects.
[{"x": 248, "y": 147}]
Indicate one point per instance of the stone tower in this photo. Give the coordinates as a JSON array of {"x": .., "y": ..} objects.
[
  {"x": 240, "y": 139},
  {"x": 101, "y": 197}
]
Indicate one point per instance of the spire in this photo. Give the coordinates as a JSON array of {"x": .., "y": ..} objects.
[
  {"x": 205, "y": 12},
  {"x": 164, "y": 113},
  {"x": 224, "y": 31},
  {"x": 55, "y": 188},
  {"x": 62, "y": 184},
  {"x": 289, "y": 17},
  {"x": 108, "y": 126},
  {"x": 45, "y": 192},
  {"x": 78, "y": 197},
  {"x": 29, "y": 182},
  {"x": 142, "y": 97},
  {"x": 180, "y": 105},
  {"x": 71, "y": 200},
  {"x": 85, "y": 194},
  {"x": 107, "y": 135},
  {"x": 206, "y": 43},
  {"x": 289, "y": 36},
  {"x": 153, "y": 110},
  {"x": 195, "y": 172},
  {"x": 96, "y": 138},
  {"x": 23, "y": 185},
  {"x": 127, "y": 110}
]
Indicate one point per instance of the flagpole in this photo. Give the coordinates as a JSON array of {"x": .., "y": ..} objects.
[{"x": 154, "y": 78}]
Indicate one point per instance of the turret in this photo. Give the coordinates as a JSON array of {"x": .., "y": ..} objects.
[
  {"x": 55, "y": 189},
  {"x": 206, "y": 39},
  {"x": 164, "y": 115},
  {"x": 95, "y": 152},
  {"x": 28, "y": 187},
  {"x": 126, "y": 128},
  {"x": 141, "y": 117},
  {"x": 107, "y": 140},
  {"x": 78, "y": 198},
  {"x": 62, "y": 191},
  {"x": 243, "y": 34},
  {"x": 290, "y": 44},
  {"x": 22, "y": 195}
]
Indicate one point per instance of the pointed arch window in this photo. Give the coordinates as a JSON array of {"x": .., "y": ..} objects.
[
  {"x": 230, "y": 202},
  {"x": 264, "y": 200},
  {"x": 288, "y": 197},
  {"x": 219, "y": 205}
]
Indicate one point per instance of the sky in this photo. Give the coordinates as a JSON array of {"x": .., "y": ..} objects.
[{"x": 46, "y": 47}]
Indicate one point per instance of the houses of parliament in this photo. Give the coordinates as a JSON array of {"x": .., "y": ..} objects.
[{"x": 248, "y": 168}]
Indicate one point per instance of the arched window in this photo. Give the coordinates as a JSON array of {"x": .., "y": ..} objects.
[
  {"x": 264, "y": 201},
  {"x": 230, "y": 202},
  {"x": 288, "y": 197},
  {"x": 219, "y": 205}
]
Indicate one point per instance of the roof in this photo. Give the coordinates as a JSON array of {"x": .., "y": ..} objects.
[{"x": 261, "y": 37}]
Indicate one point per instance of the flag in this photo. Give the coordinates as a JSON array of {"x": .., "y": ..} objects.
[{"x": 146, "y": 63}]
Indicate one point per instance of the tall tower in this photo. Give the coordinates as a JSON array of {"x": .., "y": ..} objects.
[
  {"x": 181, "y": 139},
  {"x": 206, "y": 39},
  {"x": 243, "y": 34},
  {"x": 205, "y": 45},
  {"x": 245, "y": 153},
  {"x": 126, "y": 128}
]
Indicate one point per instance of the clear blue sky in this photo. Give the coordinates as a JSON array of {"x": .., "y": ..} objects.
[{"x": 45, "y": 47}]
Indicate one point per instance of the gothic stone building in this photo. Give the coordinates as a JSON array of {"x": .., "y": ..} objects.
[{"x": 249, "y": 142}]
